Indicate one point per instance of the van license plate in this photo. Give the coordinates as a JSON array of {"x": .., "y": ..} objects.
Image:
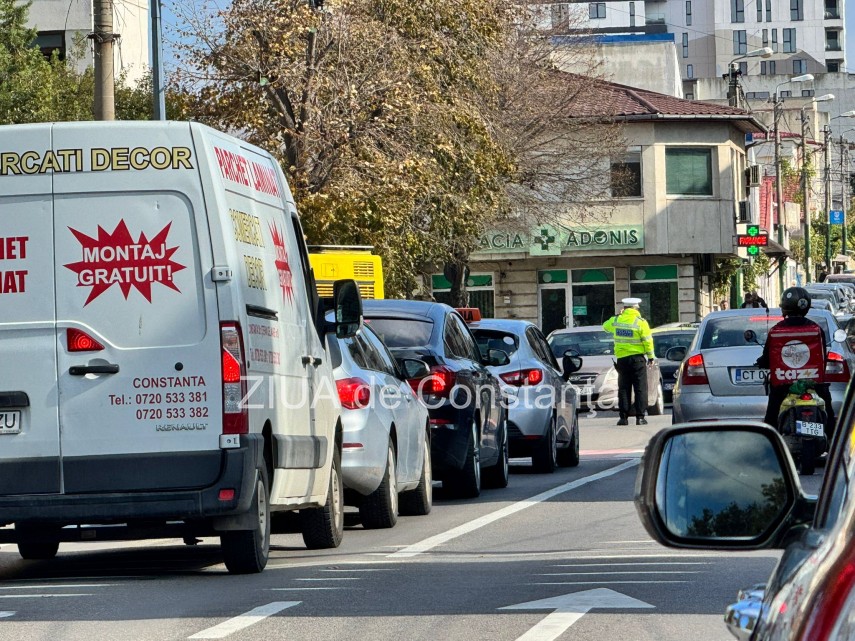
[
  {"x": 809, "y": 428},
  {"x": 10, "y": 422}
]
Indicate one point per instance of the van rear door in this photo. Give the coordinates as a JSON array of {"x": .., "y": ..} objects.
[
  {"x": 29, "y": 428},
  {"x": 138, "y": 349}
]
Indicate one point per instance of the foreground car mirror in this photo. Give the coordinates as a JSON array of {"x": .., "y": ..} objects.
[
  {"x": 413, "y": 368},
  {"x": 720, "y": 486},
  {"x": 570, "y": 363},
  {"x": 348, "y": 308},
  {"x": 497, "y": 357},
  {"x": 676, "y": 354}
]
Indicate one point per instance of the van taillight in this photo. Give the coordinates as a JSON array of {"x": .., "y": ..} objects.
[
  {"x": 694, "y": 372},
  {"x": 354, "y": 393},
  {"x": 235, "y": 415},
  {"x": 836, "y": 368},
  {"x": 80, "y": 341}
]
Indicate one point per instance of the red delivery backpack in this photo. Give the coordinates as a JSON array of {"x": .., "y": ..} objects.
[{"x": 795, "y": 353}]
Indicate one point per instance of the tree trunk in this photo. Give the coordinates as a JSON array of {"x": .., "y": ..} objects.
[{"x": 457, "y": 272}]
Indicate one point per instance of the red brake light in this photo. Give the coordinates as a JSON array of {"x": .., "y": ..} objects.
[
  {"x": 836, "y": 368},
  {"x": 694, "y": 372},
  {"x": 806, "y": 397},
  {"x": 80, "y": 341},
  {"x": 354, "y": 393},
  {"x": 523, "y": 377},
  {"x": 235, "y": 414},
  {"x": 439, "y": 382}
]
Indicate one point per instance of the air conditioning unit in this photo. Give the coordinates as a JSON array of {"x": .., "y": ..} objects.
[
  {"x": 744, "y": 215},
  {"x": 754, "y": 175}
]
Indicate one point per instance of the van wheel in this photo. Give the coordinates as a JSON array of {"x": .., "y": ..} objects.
[
  {"x": 323, "y": 527},
  {"x": 247, "y": 551},
  {"x": 31, "y": 544},
  {"x": 418, "y": 502},
  {"x": 467, "y": 482},
  {"x": 379, "y": 509},
  {"x": 545, "y": 456}
]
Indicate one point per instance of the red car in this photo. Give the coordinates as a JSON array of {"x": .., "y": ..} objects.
[{"x": 732, "y": 485}]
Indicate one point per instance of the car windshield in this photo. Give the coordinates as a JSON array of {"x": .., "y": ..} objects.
[
  {"x": 664, "y": 341},
  {"x": 402, "y": 332},
  {"x": 488, "y": 339},
  {"x": 593, "y": 343},
  {"x": 728, "y": 331}
]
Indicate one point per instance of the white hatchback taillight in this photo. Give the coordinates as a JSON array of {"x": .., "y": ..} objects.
[
  {"x": 836, "y": 368},
  {"x": 235, "y": 415}
]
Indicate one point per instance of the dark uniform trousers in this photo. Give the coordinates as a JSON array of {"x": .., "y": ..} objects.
[{"x": 632, "y": 376}]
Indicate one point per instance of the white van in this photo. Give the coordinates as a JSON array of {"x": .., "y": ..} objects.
[{"x": 162, "y": 361}]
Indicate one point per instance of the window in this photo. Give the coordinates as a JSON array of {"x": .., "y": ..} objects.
[
  {"x": 786, "y": 94},
  {"x": 765, "y": 37},
  {"x": 808, "y": 93},
  {"x": 560, "y": 15},
  {"x": 775, "y": 40},
  {"x": 596, "y": 10},
  {"x": 790, "y": 41},
  {"x": 740, "y": 42},
  {"x": 799, "y": 66},
  {"x": 631, "y": 14},
  {"x": 768, "y": 10},
  {"x": 688, "y": 13},
  {"x": 690, "y": 96},
  {"x": 737, "y": 10},
  {"x": 796, "y": 10},
  {"x": 832, "y": 11},
  {"x": 773, "y": 67},
  {"x": 50, "y": 41},
  {"x": 657, "y": 287},
  {"x": 832, "y": 40},
  {"x": 759, "y": 11},
  {"x": 626, "y": 174},
  {"x": 690, "y": 71},
  {"x": 688, "y": 171},
  {"x": 833, "y": 66},
  {"x": 479, "y": 287},
  {"x": 685, "y": 45},
  {"x": 763, "y": 69},
  {"x": 743, "y": 68}
]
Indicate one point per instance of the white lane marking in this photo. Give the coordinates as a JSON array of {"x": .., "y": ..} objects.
[
  {"x": 57, "y": 586},
  {"x": 306, "y": 588},
  {"x": 439, "y": 539},
  {"x": 359, "y": 570},
  {"x": 39, "y": 596},
  {"x": 245, "y": 620},
  {"x": 593, "y": 565},
  {"x": 605, "y": 582},
  {"x": 332, "y": 578},
  {"x": 7, "y": 613},
  {"x": 618, "y": 572},
  {"x": 581, "y": 556}
]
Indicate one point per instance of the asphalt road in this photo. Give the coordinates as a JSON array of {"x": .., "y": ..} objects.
[{"x": 572, "y": 538}]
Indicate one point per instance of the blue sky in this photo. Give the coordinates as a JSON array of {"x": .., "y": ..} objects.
[{"x": 850, "y": 33}]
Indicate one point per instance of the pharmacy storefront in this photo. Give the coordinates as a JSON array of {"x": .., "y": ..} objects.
[{"x": 564, "y": 277}]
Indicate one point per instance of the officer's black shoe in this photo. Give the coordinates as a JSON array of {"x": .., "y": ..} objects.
[
  {"x": 623, "y": 421},
  {"x": 641, "y": 421}
]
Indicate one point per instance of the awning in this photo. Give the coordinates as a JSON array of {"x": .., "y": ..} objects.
[{"x": 775, "y": 250}]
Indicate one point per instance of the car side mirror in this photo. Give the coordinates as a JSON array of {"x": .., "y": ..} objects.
[
  {"x": 720, "y": 486},
  {"x": 497, "y": 357},
  {"x": 348, "y": 308},
  {"x": 750, "y": 336},
  {"x": 413, "y": 368},
  {"x": 677, "y": 353},
  {"x": 839, "y": 335},
  {"x": 571, "y": 362}
]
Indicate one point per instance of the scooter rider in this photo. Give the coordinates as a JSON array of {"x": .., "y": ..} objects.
[{"x": 795, "y": 350}]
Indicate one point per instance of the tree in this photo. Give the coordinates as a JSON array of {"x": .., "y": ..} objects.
[{"x": 34, "y": 88}]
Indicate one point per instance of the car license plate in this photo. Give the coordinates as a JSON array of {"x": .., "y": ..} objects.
[
  {"x": 667, "y": 386},
  {"x": 747, "y": 376},
  {"x": 809, "y": 428},
  {"x": 10, "y": 421},
  {"x": 586, "y": 390}
]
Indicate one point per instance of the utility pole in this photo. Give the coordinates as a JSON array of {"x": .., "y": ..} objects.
[
  {"x": 844, "y": 183},
  {"x": 159, "y": 111},
  {"x": 827, "y": 213},
  {"x": 805, "y": 204},
  {"x": 733, "y": 86},
  {"x": 103, "y": 37},
  {"x": 779, "y": 190}
]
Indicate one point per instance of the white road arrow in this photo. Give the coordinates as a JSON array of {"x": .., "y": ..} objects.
[{"x": 569, "y": 608}]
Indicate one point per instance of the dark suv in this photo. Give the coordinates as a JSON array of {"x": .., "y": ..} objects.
[{"x": 467, "y": 416}]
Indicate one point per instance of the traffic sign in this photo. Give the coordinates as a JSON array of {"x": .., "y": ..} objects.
[{"x": 836, "y": 217}]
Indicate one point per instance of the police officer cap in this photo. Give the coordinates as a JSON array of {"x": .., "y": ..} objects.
[{"x": 631, "y": 302}]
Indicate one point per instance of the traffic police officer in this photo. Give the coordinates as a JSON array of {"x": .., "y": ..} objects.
[{"x": 634, "y": 351}]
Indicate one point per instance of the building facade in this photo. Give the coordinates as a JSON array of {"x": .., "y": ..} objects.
[
  {"x": 658, "y": 239},
  {"x": 63, "y": 25}
]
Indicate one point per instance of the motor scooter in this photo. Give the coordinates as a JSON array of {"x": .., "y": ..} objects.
[{"x": 801, "y": 420}]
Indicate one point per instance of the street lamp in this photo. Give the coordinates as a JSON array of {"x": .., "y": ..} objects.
[
  {"x": 734, "y": 97},
  {"x": 805, "y": 191},
  {"x": 777, "y": 108},
  {"x": 827, "y": 145}
]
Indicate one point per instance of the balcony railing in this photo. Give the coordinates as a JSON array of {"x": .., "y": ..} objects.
[
  {"x": 832, "y": 14},
  {"x": 833, "y": 46}
]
